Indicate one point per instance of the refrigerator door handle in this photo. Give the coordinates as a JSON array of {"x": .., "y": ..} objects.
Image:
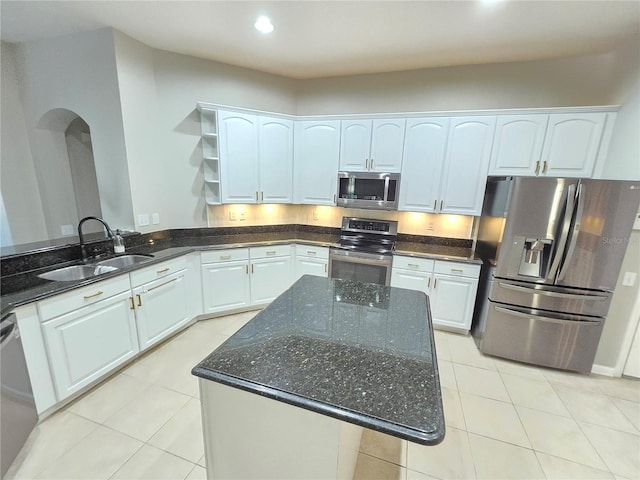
[
  {"x": 517, "y": 313},
  {"x": 564, "y": 233},
  {"x": 574, "y": 233},
  {"x": 549, "y": 293}
]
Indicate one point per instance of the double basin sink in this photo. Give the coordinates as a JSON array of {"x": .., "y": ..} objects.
[{"x": 82, "y": 272}]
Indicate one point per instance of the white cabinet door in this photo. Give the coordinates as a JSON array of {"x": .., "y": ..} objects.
[
  {"x": 387, "y": 141},
  {"x": 316, "y": 156},
  {"x": 419, "y": 281},
  {"x": 452, "y": 300},
  {"x": 517, "y": 145},
  {"x": 87, "y": 343},
  {"x": 425, "y": 143},
  {"x": 571, "y": 144},
  {"x": 311, "y": 266},
  {"x": 355, "y": 145},
  {"x": 225, "y": 286},
  {"x": 238, "y": 142},
  {"x": 467, "y": 164},
  {"x": 276, "y": 160},
  {"x": 161, "y": 308},
  {"x": 269, "y": 278}
]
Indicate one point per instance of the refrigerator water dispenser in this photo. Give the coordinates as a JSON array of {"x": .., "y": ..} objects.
[{"x": 536, "y": 253}]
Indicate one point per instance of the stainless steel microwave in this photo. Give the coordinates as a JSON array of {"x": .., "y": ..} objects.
[{"x": 368, "y": 190}]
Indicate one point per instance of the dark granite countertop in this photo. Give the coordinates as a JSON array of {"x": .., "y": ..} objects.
[
  {"x": 358, "y": 352},
  {"x": 21, "y": 285}
]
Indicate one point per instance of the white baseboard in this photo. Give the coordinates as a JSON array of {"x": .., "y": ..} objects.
[{"x": 602, "y": 370}]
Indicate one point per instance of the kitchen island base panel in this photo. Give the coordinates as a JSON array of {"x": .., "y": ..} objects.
[{"x": 249, "y": 436}]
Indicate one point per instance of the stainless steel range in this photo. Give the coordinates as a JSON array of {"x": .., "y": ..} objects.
[{"x": 365, "y": 250}]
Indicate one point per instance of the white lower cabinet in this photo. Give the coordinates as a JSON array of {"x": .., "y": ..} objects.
[
  {"x": 161, "y": 308},
  {"x": 225, "y": 285},
  {"x": 311, "y": 260},
  {"x": 86, "y": 343},
  {"x": 270, "y": 272},
  {"x": 451, "y": 287}
]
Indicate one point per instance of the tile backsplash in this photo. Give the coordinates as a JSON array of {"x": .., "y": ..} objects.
[{"x": 414, "y": 223}]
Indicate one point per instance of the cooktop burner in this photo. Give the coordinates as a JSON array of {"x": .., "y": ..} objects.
[{"x": 368, "y": 236}]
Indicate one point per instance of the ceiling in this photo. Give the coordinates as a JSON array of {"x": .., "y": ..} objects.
[{"x": 332, "y": 38}]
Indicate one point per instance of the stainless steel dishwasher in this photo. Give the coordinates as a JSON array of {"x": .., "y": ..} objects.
[{"x": 18, "y": 413}]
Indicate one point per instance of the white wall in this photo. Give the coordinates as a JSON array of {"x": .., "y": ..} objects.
[
  {"x": 159, "y": 91},
  {"x": 577, "y": 81},
  {"x": 78, "y": 73},
  {"x": 18, "y": 182}
]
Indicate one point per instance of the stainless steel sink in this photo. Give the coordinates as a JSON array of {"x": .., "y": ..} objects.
[
  {"x": 123, "y": 261},
  {"x": 76, "y": 272}
]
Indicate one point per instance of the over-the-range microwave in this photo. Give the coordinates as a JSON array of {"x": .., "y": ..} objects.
[{"x": 368, "y": 190}]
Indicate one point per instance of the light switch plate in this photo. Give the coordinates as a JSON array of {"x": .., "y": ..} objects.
[
  {"x": 143, "y": 220},
  {"x": 629, "y": 279},
  {"x": 155, "y": 218}
]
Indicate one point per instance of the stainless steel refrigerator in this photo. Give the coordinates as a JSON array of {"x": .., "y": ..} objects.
[{"x": 552, "y": 251}]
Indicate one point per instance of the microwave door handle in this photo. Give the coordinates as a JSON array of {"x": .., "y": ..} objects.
[
  {"x": 564, "y": 233},
  {"x": 386, "y": 188},
  {"x": 574, "y": 233}
]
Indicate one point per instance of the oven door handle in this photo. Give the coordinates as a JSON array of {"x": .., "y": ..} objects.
[{"x": 357, "y": 256}]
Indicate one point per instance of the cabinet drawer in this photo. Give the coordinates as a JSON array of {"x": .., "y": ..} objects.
[
  {"x": 270, "y": 251},
  {"x": 226, "y": 255},
  {"x": 158, "y": 270},
  {"x": 413, "y": 263},
  {"x": 312, "y": 251},
  {"x": 457, "y": 268},
  {"x": 81, "y": 297}
]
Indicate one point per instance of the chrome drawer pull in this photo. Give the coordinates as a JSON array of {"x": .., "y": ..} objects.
[
  {"x": 225, "y": 257},
  {"x": 547, "y": 293},
  {"x": 412, "y": 265},
  {"x": 272, "y": 252},
  {"x": 97, "y": 294},
  {"x": 457, "y": 270},
  {"x": 309, "y": 252},
  {"x": 163, "y": 270}
]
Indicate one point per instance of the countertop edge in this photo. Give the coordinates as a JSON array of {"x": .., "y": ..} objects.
[
  {"x": 170, "y": 252},
  {"x": 346, "y": 415}
]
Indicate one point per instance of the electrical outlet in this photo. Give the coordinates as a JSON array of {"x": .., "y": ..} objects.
[
  {"x": 155, "y": 218},
  {"x": 232, "y": 215},
  {"x": 315, "y": 214},
  {"x": 242, "y": 214},
  {"x": 143, "y": 220},
  {"x": 629, "y": 279},
  {"x": 430, "y": 227},
  {"x": 67, "y": 229}
]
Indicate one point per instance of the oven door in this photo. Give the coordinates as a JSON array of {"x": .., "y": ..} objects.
[{"x": 361, "y": 267}]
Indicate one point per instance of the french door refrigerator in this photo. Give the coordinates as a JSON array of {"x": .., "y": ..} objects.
[{"x": 552, "y": 248}]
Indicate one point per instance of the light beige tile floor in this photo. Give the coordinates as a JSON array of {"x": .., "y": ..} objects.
[{"x": 504, "y": 420}]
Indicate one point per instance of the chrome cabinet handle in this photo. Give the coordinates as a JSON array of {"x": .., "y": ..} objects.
[
  {"x": 537, "y": 167},
  {"x": 366, "y": 163},
  {"x": 133, "y": 306},
  {"x": 334, "y": 198},
  {"x": 457, "y": 270},
  {"x": 256, "y": 195},
  {"x": 163, "y": 270},
  {"x": 544, "y": 167},
  {"x": 371, "y": 166},
  {"x": 413, "y": 265},
  {"x": 139, "y": 299},
  {"x": 247, "y": 269},
  {"x": 435, "y": 205},
  {"x": 310, "y": 252},
  {"x": 271, "y": 252},
  {"x": 225, "y": 257},
  {"x": 262, "y": 196},
  {"x": 429, "y": 283},
  {"x": 325, "y": 268},
  {"x": 93, "y": 295},
  {"x": 435, "y": 282},
  {"x": 441, "y": 203}
]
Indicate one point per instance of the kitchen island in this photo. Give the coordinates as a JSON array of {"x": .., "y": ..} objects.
[{"x": 361, "y": 355}]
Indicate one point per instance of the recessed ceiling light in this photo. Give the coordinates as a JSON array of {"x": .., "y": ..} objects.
[{"x": 264, "y": 25}]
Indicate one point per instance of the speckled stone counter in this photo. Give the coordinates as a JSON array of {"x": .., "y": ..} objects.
[{"x": 360, "y": 353}]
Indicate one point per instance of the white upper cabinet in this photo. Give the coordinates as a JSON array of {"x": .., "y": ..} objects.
[
  {"x": 316, "y": 156},
  {"x": 372, "y": 145},
  {"x": 276, "y": 160},
  {"x": 517, "y": 145},
  {"x": 238, "y": 141},
  {"x": 466, "y": 164},
  {"x": 556, "y": 145},
  {"x": 425, "y": 144},
  {"x": 571, "y": 144},
  {"x": 256, "y": 157}
]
